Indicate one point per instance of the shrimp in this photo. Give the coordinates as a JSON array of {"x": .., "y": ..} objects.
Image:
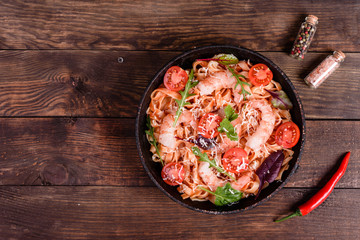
[
  {"x": 242, "y": 182},
  {"x": 213, "y": 181},
  {"x": 167, "y": 130},
  {"x": 265, "y": 127},
  {"x": 247, "y": 183},
  {"x": 237, "y": 96},
  {"x": 209, "y": 177},
  {"x": 217, "y": 81},
  {"x": 225, "y": 143}
]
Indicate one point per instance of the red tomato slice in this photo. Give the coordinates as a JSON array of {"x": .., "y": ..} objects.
[
  {"x": 208, "y": 125},
  {"x": 260, "y": 75},
  {"x": 173, "y": 173},
  {"x": 287, "y": 135},
  {"x": 175, "y": 78},
  {"x": 235, "y": 160}
]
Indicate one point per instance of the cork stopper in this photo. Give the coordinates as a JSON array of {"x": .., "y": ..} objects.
[
  {"x": 339, "y": 56},
  {"x": 312, "y": 19}
]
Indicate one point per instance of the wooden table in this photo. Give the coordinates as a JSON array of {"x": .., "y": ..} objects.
[{"x": 72, "y": 74}]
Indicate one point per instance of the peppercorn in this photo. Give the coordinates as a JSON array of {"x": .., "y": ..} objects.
[{"x": 304, "y": 37}]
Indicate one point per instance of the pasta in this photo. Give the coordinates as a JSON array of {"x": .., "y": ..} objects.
[{"x": 255, "y": 126}]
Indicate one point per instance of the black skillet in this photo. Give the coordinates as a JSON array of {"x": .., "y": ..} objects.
[{"x": 185, "y": 61}]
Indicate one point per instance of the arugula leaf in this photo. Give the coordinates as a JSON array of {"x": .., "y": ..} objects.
[
  {"x": 224, "y": 195},
  {"x": 150, "y": 132},
  {"x": 228, "y": 128},
  {"x": 269, "y": 169},
  {"x": 237, "y": 76},
  {"x": 184, "y": 94},
  {"x": 203, "y": 157},
  {"x": 225, "y": 124},
  {"x": 280, "y": 100}
]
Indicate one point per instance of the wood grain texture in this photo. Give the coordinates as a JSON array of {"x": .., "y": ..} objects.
[
  {"x": 95, "y": 84},
  {"x": 72, "y": 74},
  {"x": 119, "y": 213},
  {"x": 69, "y": 152},
  {"x": 86, "y": 151},
  {"x": 164, "y": 25},
  {"x": 71, "y": 83}
]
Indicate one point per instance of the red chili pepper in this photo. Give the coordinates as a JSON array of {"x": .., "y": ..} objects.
[{"x": 320, "y": 196}]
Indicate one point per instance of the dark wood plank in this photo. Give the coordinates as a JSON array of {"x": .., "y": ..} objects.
[
  {"x": 146, "y": 213},
  {"x": 326, "y": 144},
  {"x": 94, "y": 83},
  {"x": 164, "y": 25},
  {"x": 98, "y": 151},
  {"x": 74, "y": 83},
  {"x": 69, "y": 151}
]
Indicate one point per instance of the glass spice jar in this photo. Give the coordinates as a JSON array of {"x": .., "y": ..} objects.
[
  {"x": 304, "y": 37},
  {"x": 324, "y": 69}
]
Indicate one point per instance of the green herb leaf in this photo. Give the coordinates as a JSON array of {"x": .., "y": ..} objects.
[
  {"x": 203, "y": 157},
  {"x": 184, "y": 94},
  {"x": 226, "y": 59},
  {"x": 230, "y": 113},
  {"x": 228, "y": 128},
  {"x": 280, "y": 100},
  {"x": 224, "y": 195},
  {"x": 152, "y": 141},
  {"x": 237, "y": 76},
  {"x": 225, "y": 124}
]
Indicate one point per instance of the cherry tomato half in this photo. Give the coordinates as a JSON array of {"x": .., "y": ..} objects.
[
  {"x": 287, "y": 135},
  {"x": 173, "y": 173},
  {"x": 260, "y": 75},
  {"x": 235, "y": 160},
  {"x": 175, "y": 78},
  {"x": 208, "y": 125}
]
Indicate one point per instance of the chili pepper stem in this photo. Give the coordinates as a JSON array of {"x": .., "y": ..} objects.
[{"x": 296, "y": 213}]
